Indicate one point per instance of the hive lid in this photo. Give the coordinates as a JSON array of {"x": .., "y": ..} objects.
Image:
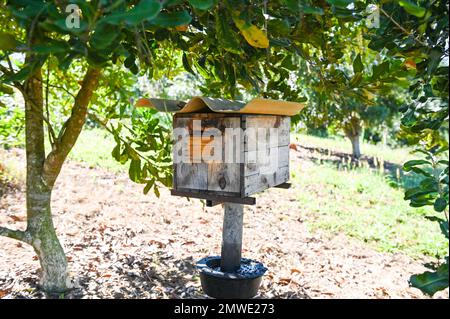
[{"x": 200, "y": 104}]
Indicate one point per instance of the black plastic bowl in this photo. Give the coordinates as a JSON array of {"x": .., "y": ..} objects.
[{"x": 242, "y": 284}]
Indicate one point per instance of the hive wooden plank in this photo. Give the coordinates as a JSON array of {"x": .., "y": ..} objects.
[
  {"x": 283, "y": 156},
  {"x": 224, "y": 177},
  {"x": 191, "y": 176},
  {"x": 255, "y": 161},
  {"x": 201, "y": 175},
  {"x": 259, "y": 182},
  {"x": 258, "y": 129}
]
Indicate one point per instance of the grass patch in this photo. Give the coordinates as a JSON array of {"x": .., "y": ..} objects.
[
  {"x": 94, "y": 147},
  {"x": 361, "y": 204}
]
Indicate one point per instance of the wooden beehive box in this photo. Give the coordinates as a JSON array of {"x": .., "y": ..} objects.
[{"x": 228, "y": 150}]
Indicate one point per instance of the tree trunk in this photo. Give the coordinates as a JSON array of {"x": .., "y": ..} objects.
[
  {"x": 385, "y": 135},
  {"x": 40, "y": 229},
  {"x": 356, "y": 151},
  {"x": 353, "y": 130},
  {"x": 43, "y": 171},
  {"x": 55, "y": 276}
]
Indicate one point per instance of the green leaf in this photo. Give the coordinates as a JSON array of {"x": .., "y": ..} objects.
[
  {"x": 417, "y": 193},
  {"x": 279, "y": 27},
  {"x": 292, "y": 5},
  {"x": 357, "y": 64},
  {"x": 429, "y": 183},
  {"x": 20, "y": 75},
  {"x": 440, "y": 204},
  {"x": 202, "y": 4},
  {"x": 410, "y": 164},
  {"x": 148, "y": 186},
  {"x": 8, "y": 41},
  {"x": 356, "y": 80},
  {"x": 431, "y": 282},
  {"x": 186, "y": 64},
  {"x": 170, "y": 3},
  {"x": 340, "y": 3},
  {"x": 282, "y": 42},
  {"x": 227, "y": 39},
  {"x": 443, "y": 224},
  {"x": 412, "y": 8},
  {"x": 172, "y": 19},
  {"x": 51, "y": 47},
  {"x": 6, "y": 89},
  {"x": 116, "y": 152},
  {"x": 145, "y": 10},
  {"x": 379, "y": 70},
  {"x": 420, "y": 171},
  {"x": 313, "y": 10},
  {"x": 135, "y": 170},
  {"x": 288, "y": 64},
  {"x": 104, "y": 36}
]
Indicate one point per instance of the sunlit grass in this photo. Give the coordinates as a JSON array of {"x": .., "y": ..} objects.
[
  {"x": 94, "y": 147},
  {"x": 361, "y": 204}
]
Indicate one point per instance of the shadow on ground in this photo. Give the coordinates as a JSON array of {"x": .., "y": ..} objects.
[{"x": 141, "y": 277}]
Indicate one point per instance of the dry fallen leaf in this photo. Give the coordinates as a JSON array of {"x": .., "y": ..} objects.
[
  {"x": 16, "y": 218},
  {"x": 284, "y": 281},
  {"x": 157, "y": 243},
  {"x": 295, "y": 270}
]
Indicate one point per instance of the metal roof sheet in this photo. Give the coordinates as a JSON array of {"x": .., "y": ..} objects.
[{"x": 200, "y": 104}]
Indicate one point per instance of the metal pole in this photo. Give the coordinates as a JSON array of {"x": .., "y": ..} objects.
[{"x": 233, "y": 221}]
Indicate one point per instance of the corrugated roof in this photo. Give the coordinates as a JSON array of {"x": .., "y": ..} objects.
[{"x": 200, "y": 104}]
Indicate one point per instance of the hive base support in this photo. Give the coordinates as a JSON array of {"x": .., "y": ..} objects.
[
  {"x": 214, "y": 199},
  {"x": 233, "y": 222},
  {"x": 283, "y": 185}
]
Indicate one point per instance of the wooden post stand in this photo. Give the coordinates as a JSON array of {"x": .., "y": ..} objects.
[{"x": 233, "y": 222}]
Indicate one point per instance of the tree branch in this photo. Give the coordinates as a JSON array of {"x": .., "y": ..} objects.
[
  {"x": 61, "y": 88},
  {"x": 402, "y": 28},
  {"x": 4, "y": 69},
  {"x": 15, "y": 234},
  {"x": 72, "y": 127}
]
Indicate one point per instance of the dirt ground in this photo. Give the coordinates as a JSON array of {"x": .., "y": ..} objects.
[{"x": 123, "y": 244}]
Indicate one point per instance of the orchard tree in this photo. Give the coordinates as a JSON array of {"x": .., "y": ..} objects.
[
  {"x": 353, "y": 117},
  {"x": 45, "y": 45},
  {"x": 346, "y": 82},
  {"x": 46, "y": 50},
  {"x": 317, "y": 53},
  {"x": 417, "y": 33}
]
